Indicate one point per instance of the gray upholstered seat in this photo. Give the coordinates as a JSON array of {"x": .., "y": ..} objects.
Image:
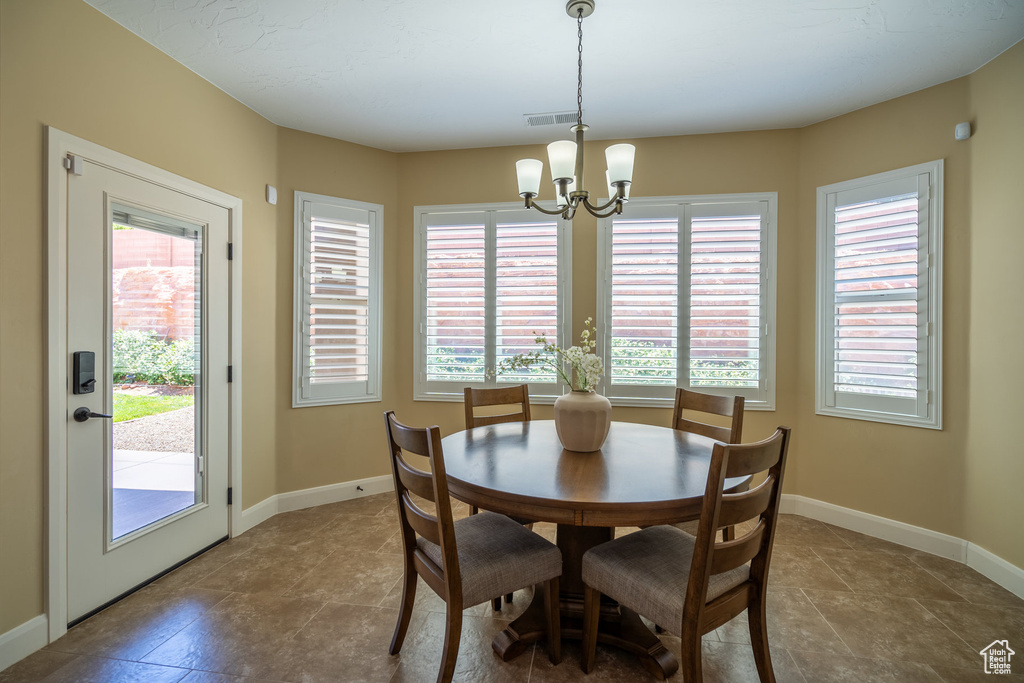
[
  {"x": 497, "y": 556},
  {"x": 648, "y": 571}
]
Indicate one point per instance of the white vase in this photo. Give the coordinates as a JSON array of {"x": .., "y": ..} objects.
[{"x": 582, "y": 419}]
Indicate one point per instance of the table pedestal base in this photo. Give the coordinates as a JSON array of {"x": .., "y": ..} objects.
[{"x": 619, "y": 627}]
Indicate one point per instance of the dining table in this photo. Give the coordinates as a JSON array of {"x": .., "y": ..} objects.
[{"x": 643, "y": 475}]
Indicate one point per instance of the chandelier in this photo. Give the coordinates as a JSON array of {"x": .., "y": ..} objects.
[{"x": 566, "y": 156}]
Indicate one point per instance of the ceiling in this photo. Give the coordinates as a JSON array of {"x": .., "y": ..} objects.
[{"x": 408, "y": 75}]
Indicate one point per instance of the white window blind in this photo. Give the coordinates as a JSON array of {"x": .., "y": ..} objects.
[
  {"x": 337, "y": 300},
  {"x": 725, "y": 298},
  {"x": 491, "y": 278},
  {"x": 685, "y": 298},
  {"x": 644, "y": 302},
  {"x": 878, "y": 319}
]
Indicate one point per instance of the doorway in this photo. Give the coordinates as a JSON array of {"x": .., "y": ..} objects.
[{"x": 143, "y": 412}]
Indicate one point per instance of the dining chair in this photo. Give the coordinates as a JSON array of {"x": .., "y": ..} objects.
[
  {"x": 467, "y": 561},
  {"x": 501, "y": 396},
  {"x": 694, "y": 584},
  {"x": 724, "y": 406}
]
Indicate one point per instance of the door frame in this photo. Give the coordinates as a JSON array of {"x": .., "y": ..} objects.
[{"x": 58, "y": 145}]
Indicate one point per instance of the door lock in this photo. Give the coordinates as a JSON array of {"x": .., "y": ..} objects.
[{"x": 82, "y": 414}]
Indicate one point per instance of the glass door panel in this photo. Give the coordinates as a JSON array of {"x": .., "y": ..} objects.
[{"x": 156, "y": 466}]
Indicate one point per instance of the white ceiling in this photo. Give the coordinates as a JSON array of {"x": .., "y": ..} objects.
[{"x": 408, "y": 75}]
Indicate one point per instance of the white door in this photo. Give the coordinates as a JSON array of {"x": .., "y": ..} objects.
[{"x": 147, "y": 314}]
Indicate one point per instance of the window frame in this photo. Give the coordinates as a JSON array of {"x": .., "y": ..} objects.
[
  {"x": 682, "y": 206},
  {"x": 340, "y": 392},
  {"x": 439, "y": 391},
  {"x": 929, "y": 298}
]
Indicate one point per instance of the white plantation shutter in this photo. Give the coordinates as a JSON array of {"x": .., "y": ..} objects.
[
  {"x": 526, "y": 297},
  {"x": 337, "y": 300},
  {"x": 878, "y": 328},
  {"x": 456, "y": 298},
  {"x": 644, "y": 302},
  {"x": 490, "y": 279},
  {"x": 726, "y": 318},
  {"x": 685, "y": 298}
]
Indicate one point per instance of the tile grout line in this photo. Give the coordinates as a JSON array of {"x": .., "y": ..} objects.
[
  {"x": 808, "y": 598},
  {"x": 943, "y": 622},
  {"x": 829, "y": 567}
]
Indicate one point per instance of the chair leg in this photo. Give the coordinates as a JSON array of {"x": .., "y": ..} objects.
[
  {"x": 496, "y": 604},
  {"x": 729, "y": 533},
  {"x": 452, "y": 636},
  {"x": 690, "y": 655},
  {"x": 759, "y": 639},
  {"x": 552, "y": 604},
  {"x": 591, "y": 612},
  {"x": 473, "y": 509},
  {"x": 405, "y": 613},
  {"x": 508, "y": 598}
]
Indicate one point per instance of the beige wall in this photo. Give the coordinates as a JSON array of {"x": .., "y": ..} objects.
[
  {"x": 892, "y": 471},
  {"x": 329, "y": 444},
  {"x": 994, "y": 456},
  {"x": 64, "y": 64}
]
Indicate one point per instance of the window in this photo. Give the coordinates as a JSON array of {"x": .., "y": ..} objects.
[
  {"x": 879, "y": 297},
  {"x": 337, "y": 301},
  {"x": 686, "y": 298},
  {"x": 490, "y": 279}
]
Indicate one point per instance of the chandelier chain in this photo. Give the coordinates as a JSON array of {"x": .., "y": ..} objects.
[{"x": 579, "y": 64}]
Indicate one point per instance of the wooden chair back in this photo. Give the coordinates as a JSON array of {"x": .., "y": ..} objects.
[
  {"x": 501, "y": 396},
  {"x": 414, "y": 520},
  {"x": 726, "y": 406},
  {"x": 722, "y": 509}
]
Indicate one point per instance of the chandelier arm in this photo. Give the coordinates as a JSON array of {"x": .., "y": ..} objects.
[
  {"x": 534, "y": 205},
  {"x": 596, "y": 213},
  {"x": 591, "y": 208}
]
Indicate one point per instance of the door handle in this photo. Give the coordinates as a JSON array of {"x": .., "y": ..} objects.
[{"x": 82, "y": 414}]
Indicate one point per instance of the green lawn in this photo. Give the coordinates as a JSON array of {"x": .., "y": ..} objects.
[{"x": 130, "y": 407}]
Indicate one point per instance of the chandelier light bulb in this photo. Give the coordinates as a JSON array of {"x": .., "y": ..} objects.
[
  {"x": 528, "y": 171},
  {"x": 562, "y": 157},
  {"x": 620, "y": 162}
]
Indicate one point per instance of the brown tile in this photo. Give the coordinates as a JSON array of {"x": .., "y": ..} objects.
[
  {"x": 979, "y": 625},
  {"x": 352, "y": 577},
  {"x": 797, "y": 530},
  {"x": 210, "y": 677},
  {"x": 342, "y": 642},
  {"x": 885, "y": 574},
  {"x": 357, "y": 533},
  {"x": 793, "y": 622},
  {"x": 239, "y": 636},
  {"x": 288, "y": 528},
  {"x": 547, "y": 530},
  {"x": 428, "y": 601},
  {"x": 972, "y": 585},
  {"x": 364, "y": 506},
  {"x": 611, "y": 665},
  {"x": 420, "y": 657},
  {"x": 84, "y": 669},
  {"x": 204, "y": 565},
  {"x": 393, "y": 546},
  {"x": 974, "y": 675},
  {"x": 800, "y": 567},
  {"x": 35, "y": 667},
  {"x": 885, "y": 627},
  {"x": 859, "y": 541},
  {"x": 270, "y": 569},
  {"x": 734, "y": 663},
  {"x": 822, "y": 668},
  {"x": 133, "y": 627}
]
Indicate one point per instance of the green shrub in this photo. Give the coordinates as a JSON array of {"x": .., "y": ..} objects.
[{"x": 144, "y": 357}]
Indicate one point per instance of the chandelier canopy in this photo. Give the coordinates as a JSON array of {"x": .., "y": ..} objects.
[{"x": 566, "y": 156}]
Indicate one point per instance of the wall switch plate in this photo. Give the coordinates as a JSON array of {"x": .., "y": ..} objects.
[{"x": 271, "y": 194}]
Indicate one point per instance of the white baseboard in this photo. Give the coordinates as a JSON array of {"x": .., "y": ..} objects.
[
  {"x": 23, "y": 640},
  {"x": 996, "y": 568},
  {"x": 321, "y": 495},
  {"x": 986, "y": 563}
]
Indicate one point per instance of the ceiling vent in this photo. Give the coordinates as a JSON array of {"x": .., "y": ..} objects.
[{"x": 551, "y": 118}]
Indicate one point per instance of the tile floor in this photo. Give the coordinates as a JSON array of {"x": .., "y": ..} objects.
[{"x": 312, "y": 595}]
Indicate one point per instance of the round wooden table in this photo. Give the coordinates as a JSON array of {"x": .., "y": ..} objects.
[{"x": 643, "y": 475}]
